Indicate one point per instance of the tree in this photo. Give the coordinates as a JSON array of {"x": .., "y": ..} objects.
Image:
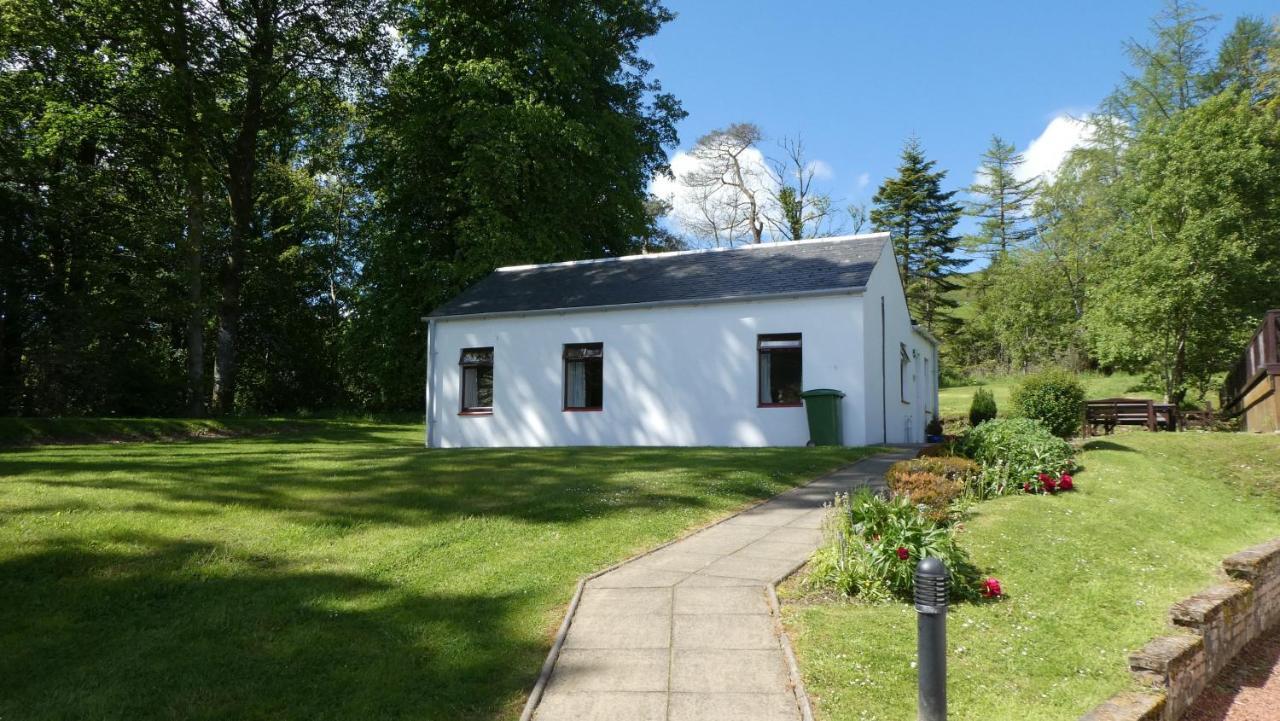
[
  {"x": 1168, "y": 73},
  {"x": 1243, "y": 59},
  {"x": 802, "y": 211},
  {"x": 729, "y": 185},
  {"x": 921, "y": 218},
  {"x": 510, "y": 132},
  {"x": 1192, "y": 265},
  {"x": 1001, "y": 201}
]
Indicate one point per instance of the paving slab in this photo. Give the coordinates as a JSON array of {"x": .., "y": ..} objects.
[
  {"x": 623, "y": 601},
  {"x": 780, "y": 706},
  {"x": 687, "y": 632},
  {"x": 737, "y": 599},
  {"x": 728, "y": 671},
  {"x": 636, "y": 576},
  {"x": 600, "y": 631},
  {"x": 724, "y": 631},
  {"x": 587, "y": 670},
  {"x": 776, "y": 550},
  {"x": 604, "y": 706}
]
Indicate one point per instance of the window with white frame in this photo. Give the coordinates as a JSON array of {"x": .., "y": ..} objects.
[
  {"x": 781, "y": 365},
  {"x": 583, "y": 376},
  {"x": 477, "y": 380}
]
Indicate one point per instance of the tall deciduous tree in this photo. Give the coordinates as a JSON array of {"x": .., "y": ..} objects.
[
  {"x": 512, "y": 132},
  {"x": 921, "y": 217},
  {"x": 1194, "y": 261},
  {"x": 730, "y": 185},
  {"x": 1002, "y": 201}
]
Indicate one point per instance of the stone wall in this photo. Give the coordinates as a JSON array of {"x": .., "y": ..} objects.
[{"x": 1209, "y": 629}]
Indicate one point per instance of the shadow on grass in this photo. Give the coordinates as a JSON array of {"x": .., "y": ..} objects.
[
  {"x": 390, "y": 483},
  {"x": 155, "y": 629},
  {"x": 1106, "y": 446}
]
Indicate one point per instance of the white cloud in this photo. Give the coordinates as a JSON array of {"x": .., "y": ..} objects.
[
  {"x": 686, "y": 210},
  {"x": 1045, "y": 154},
  {"x": 864, "y": 179},
  {"x": 821, "y": 170}
]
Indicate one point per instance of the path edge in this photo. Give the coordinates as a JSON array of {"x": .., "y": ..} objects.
[{"x": 797, "y": 683}]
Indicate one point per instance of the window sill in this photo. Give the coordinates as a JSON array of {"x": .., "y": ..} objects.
[
  {"x": 780, "y": 405},
  {"x": 583, "y": 410},
  {"x": 476, "y": 413}
]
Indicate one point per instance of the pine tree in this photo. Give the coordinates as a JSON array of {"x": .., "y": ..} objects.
[
  {"x": 921, "y": 218},
  {"x": 1002, "y": 201}
]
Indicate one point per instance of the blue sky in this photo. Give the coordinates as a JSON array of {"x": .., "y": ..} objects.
[{"x": 856, "y": 78}]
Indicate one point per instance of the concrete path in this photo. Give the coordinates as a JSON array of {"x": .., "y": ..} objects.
[{"x": 687, "y": 632}]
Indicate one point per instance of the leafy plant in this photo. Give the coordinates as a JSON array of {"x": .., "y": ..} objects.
[
  {"x": 933, "y": 482},
  {"x": 873, "y": 545},
  {"x": 1014, "y": 451},
  {"x": 983, "y": 407},
  {"x": 1053, "y": 397}
]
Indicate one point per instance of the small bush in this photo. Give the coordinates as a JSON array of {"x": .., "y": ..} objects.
[
  {"x": 1055, "y": 398},
  {"x": 873, "y": 545},
  {"x": 983, "y": 407},
  {"x": 932, "y": 482},
  {"x": 933, "y": 427},
  {"x": 1014, "y": 451}
]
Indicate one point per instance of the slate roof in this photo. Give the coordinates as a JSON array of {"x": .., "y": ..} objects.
[{"x": 771, "y": 269}]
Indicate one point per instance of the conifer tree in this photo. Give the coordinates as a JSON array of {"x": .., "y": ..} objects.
[
  {"x": 1001, "y": 201},
  {"x": 921, "y": 218}
]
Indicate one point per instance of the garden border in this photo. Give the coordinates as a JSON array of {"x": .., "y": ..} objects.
[{"x": 1217, "y": 622}]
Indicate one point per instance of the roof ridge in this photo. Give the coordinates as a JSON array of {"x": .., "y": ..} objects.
[{"x": 697, "y": 251}]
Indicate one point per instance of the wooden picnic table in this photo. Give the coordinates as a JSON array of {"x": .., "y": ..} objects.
[{"x": 1112, "y": 412}]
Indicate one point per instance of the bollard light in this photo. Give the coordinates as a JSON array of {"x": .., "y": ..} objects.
[{"x": 932, "y": 584}]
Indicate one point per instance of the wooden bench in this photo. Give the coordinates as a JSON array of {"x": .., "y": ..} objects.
[{"x": 1108, "y": 413}]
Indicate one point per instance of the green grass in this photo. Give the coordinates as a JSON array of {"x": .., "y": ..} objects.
[
  {"x": 1089, "y": 575},
  {"x": 954, "y": 401},
  {"x": 338, "y": 572},
  {"x": 44, "y": 431}
]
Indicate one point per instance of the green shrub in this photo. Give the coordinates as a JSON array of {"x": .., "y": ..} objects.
[
  {"x": 1055, "y": 398},
  {"x": 932, "y": 482},
  {"x": 873, "y": 545},
  {"x": 983, "y": 407},
  {"x": 1013, "y": 451}
]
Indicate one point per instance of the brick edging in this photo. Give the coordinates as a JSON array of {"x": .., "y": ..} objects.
[{"x": 1209, "y": 629}]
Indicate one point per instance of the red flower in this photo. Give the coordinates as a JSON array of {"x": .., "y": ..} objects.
[
  {"x": 991, "y": 588},
  {"x": 1044, "y": 478},
  {"x": 1065, "y": 483},
  {"x": 1050, "y": 485},
  {"x": 1026, "y": 487},
  {"x": 903, "y": 553}
]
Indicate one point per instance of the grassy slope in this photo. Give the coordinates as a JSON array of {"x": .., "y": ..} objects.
[
  {"x": 955, "y": 401},
  {"x": 343, "y": 572},
  {"x": 41, "y": 431},
  {"x": 1089, "y": 576}
]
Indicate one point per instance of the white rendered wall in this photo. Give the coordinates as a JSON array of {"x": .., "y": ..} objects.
[
  {"x": 674, "y": 375},
  {"x": 888, "y": 418}
]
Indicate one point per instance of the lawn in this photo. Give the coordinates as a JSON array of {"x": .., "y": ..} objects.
[
  {"x": 954, "y": 401},
  {"x": 337, "y": 572},
  {"x": 1089, "y": 576}
]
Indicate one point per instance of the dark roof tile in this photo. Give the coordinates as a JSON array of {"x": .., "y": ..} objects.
[{"x": 770, "y": 269}]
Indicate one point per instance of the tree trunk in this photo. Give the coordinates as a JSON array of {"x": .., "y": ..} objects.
[
  {"x": 242, "y": 166},
  {"x": 193, "y": 246},
  {"x": 194, "y": 265}
]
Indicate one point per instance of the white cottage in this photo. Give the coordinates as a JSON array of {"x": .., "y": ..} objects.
[{"x": 692, "y": 348}]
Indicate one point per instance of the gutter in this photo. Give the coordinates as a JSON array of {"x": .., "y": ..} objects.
[
  {"x": 788, "y": 295},
  {"x": 429, "y": 397}
]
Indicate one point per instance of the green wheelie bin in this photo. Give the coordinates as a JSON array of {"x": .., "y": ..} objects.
[{"x": 822, "y": 405}]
